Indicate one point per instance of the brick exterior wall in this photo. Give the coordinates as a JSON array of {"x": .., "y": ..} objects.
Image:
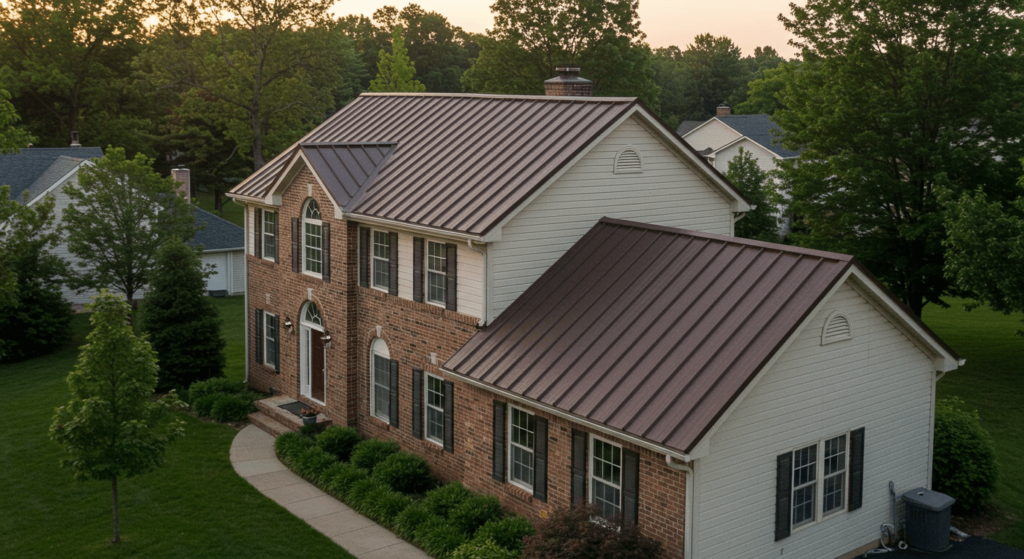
[{"x": 413, "y": 331}]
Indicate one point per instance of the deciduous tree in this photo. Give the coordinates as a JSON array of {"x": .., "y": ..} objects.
[
  {"x": 754, "y": 183},
  {"x": 112, "y": 428},
  {"x": 897, "y": 99},
  {"x": 395, "y": 72},
  {"x": 12, "y": 138}
]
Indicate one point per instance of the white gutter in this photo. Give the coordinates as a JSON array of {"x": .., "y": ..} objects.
[
  {"x": 688, "y": 510},
  {"x": 392, "y": 224},
  {"x": 572, "y": 417}
]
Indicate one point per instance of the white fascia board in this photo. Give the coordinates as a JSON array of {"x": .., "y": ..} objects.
[
  {"x": 412, "y": 227},
  {"x": 59, "y": 182},
  {"x": 770, "y": 153},
  {"x": 288, "y": 175},
  {"x": 604, "y": 429}
]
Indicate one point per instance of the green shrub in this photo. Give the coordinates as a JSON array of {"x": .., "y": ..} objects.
[
  {"x": 340, "y": 477},
  {"x": 203, "y": 405},
  {"x": 313, "y": 430},
  {"x": 483, "y": 549},
  {"x": 361, "y": 491},
  {"x": 507, "y": 532},
  {"x": 410, "y": 519},
  {"x": 289, "y": 445},
  {"x": 312, "y": 463},
  {"x": 441, "y": 501},
  {"x": 964, "y": 462},
  {"x": 218, "y": 385},
  {"x": 339, "y": 441},
  {"x": 439, "y": 538},
  {"x": 476, "y": 511},
  {"x": 367, "y": 454},
  {"x": 572, "y": 534},
  {"x": 383, "y": 504},
  {"x": 404, "y": 472},
  {"x": 232, "y": 407}
]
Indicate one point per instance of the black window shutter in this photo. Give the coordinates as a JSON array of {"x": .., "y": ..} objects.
[
  {"x": 257, "y": 228},
  {"x": 449, "y": 412},
  {"x": 364, "y": 257},
  {"x": 326, "y": 275},
  {"x": 783, "y": 494},
  {"x": 630, "y": 487},
  {"x": 417, "y": 403},
  {"x": 856, "y": 469},
  {"x": 259, "y": 335},
  {"x": 296, "y": 245},
  {"x": 451, "y": 295},
  {"x": 393, "y": 264},
  {"x": 579, "y": 468},
  {"x": 417, "y": 269},
  {"x": 277, "y": 242},
  {"x": 393, "y": 407},
  {"x": 540, "y": 459},
  {"x": 277, "y": 343},
  {"x": 498, "y": 441}
]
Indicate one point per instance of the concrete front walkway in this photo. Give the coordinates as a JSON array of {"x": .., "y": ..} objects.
[{"x": 252, "y": 455}]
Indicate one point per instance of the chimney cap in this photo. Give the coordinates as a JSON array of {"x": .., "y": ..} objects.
[{"x": 568, "y": 83}]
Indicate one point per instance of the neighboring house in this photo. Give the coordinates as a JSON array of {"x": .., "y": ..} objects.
[
  {"x": 457, "y": 273},
  {"x": 720, "y": 138},
  {"x": 40, "y": 172}
]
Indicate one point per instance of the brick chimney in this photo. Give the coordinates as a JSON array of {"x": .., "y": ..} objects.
[
  {"x": 723, "y": 110},
  {"x": 184, "y": 177},
  {"x": 568, "y": 83},
  {"x": 74, "y": 139}
]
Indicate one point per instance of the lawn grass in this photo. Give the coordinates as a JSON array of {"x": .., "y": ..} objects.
[
  {"x": 232, "y": 211},
  {"x": 232, "y": 316},
  {"x": 195, "y": 505},
  {"x": 992, "y": 381}
]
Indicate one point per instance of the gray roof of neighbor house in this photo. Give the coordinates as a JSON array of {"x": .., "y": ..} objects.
[
  {"x": 651, "y": 330},
  {"x": 687, "y": 125},
  {"x": 760, "y": 129},
  {"x": 23, "y": 170},
  {"x": 219, "y": 233},
  {"x": 460, "y": 162}
]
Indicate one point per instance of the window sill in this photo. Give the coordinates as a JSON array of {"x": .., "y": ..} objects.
[
  {"x": 312, "y": 274},
  {"x": 271, "y": 260}
]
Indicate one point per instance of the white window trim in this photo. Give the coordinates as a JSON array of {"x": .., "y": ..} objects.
[
  {"x": 373, "y": 384},
  {"x": 427, "y": 272},
  {"x": 263, "y": 240},
  {"x": 266, "y": 329},
  {"x": 306, "y": 374},
  {"x": 373, "y": 258},
  {"x": 533, "y": 451},
  {"x": 590, "y": 470},
  {"x": 427, "y": 407},
  {"x": 302, "y": 233},
  {"x": 819, "y": 489}
]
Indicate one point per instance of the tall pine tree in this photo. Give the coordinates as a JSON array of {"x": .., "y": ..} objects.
[{"x": 395, "y": 70}]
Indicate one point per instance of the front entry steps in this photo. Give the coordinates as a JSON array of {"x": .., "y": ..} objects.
[{"x": 275, "y": 420}]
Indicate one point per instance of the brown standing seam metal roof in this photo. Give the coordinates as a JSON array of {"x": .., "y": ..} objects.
[
  {"x": 651, "y": 330},
  {"x": 347, "y": 169},
  {"x": 462, "y": 162}
]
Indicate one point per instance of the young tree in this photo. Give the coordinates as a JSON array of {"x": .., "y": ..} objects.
[
  {"x": 896, "y": 100},
  {"x": 395, "y": 71},
  {"x": 112, "y": 428},
  {"x": 120, "y": 213},
  {"x": 754, "y": 183},
  {"x": 181, "y": 320},
  {"x": 12, "y": 138}
]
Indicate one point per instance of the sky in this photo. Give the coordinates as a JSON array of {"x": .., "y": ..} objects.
[{"x": 749, "y": 23}]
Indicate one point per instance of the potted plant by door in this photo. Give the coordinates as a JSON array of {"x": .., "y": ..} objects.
[{"x": 308, "y": 415}]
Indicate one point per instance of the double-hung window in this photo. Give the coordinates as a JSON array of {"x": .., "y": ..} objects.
[
  {"x": 435, "y": 409},
  {"x": 312, "y": 238},
  {"x": 437, "y": 273},
  {"x": 381, "y": 259},
  {"x": 522, "y": 435},
  {"x": 270, "y": 347},
  {"x": 606, "y": 476},
  {"x": 380, "y": 376},
  {"x": 269, "y": 235},
  {"x": 819, "y": 476}
]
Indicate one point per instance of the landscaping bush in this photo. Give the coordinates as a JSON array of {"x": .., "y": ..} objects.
[
  {"x": 383, "y": 504},
  {"x": 313, "y": 430},
  {"x": 312, "y": 463},
  {"x": 572, "y": 534},
  {"x": 218, "y": 385},
  {"x": 339, "y": 478},
  {"x": 507, "y": 532},
  {"x": 404, "y": 472},
  {"x": 232, "y": 407},
  {"x": 289, "y": 445},
  {"x": 410, "y": 519},
  {"x": 203, "y": 405},
  {"x": 339, "y": 441},
  {"x": 441, "y": 501},
  {"x": 439, "y": 538},
  {"x": 367, "y": 454},
  {"x": 483, "y": 549},
  {"x": 964, "y": 462},
  {"x": 360, "y": 493},
  {"x": 476, "y": 511}
]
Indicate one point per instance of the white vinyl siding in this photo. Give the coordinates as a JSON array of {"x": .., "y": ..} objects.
[
  {"x": 470, "y": 269},
  {"x": 237, "y": 282},
  {"x": 879, "y": 380},
  {"x": 712, "y": 135},
  {"x": 765, "y": 159},
  {"x": 669, "y": 192}
]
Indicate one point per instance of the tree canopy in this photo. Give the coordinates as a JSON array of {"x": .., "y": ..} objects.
[
  {"x": 754, "y": 183},
  {"x": 895, "y": 100},
  {"x": 395, "y": 72}
]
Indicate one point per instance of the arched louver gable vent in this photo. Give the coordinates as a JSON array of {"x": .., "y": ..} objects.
[
  {"x": 628, "y": 161},
  {"x": 837, "y": 328}
]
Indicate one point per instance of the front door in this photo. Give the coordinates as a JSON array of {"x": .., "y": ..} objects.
[{"x": 317, "y": 367}]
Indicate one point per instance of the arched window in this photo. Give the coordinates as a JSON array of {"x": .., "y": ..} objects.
[
  {"x": 380, "y": 380},
  {"x": 312, "y": 316},
  {"x": 312, "y": 238},
  {"x": 837, "y": 328}
]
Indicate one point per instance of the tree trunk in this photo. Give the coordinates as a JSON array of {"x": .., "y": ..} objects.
[
  {"x": 218, "y": 201},
  {"x": 117, "y": 525}
]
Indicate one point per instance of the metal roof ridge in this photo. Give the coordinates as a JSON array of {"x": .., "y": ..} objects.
[{"x": 591, "y": 99}]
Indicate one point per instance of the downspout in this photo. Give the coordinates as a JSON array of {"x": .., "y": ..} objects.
[
  {"x": 245, "y": 268},
  {"x": 483, "y": 282},
  {"x": 688, "y": 510}
]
